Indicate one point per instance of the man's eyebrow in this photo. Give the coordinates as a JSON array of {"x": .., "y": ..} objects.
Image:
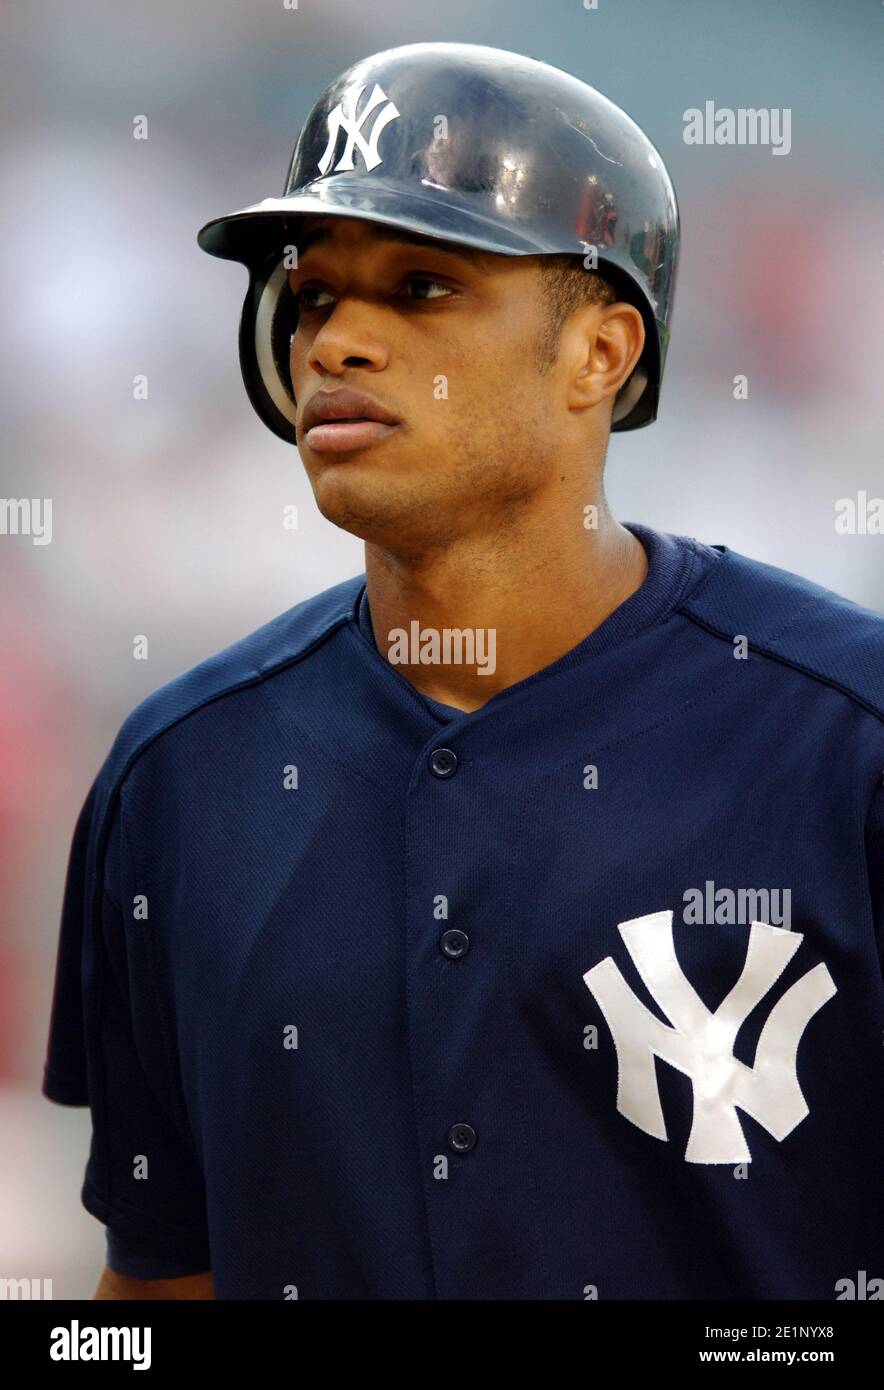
[{"x": 321, "y": 235}]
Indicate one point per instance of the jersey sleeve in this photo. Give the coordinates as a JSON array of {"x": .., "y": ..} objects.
[
  {"x": 128, "y": 1257},
  {"x": 108, "y": 1048},
  {"x": 64, "y": 1073},
  {"x": 875, "y": 864}
]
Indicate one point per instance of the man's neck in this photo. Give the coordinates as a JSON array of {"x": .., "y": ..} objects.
[{"x": 510, "y": 606}]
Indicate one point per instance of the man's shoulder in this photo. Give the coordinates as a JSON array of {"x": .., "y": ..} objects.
[
  {"x": 277, "y": 645},
  {"x": 794, "y": 621}
]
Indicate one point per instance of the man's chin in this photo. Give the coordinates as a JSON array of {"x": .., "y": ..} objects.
[{"x": 395, "y": 518}]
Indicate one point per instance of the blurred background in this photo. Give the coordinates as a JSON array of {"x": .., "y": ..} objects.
[{"x": 167, "y": 513}]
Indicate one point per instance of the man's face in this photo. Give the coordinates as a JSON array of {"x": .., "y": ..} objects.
[{"x": 442, "y": 339}]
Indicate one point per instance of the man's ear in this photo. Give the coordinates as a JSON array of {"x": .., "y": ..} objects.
[{"x": 609, "y": 340}]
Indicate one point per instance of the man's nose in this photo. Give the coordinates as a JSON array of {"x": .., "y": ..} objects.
[{"x": 347, "y": 338}]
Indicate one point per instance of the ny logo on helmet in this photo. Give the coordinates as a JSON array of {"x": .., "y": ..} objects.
[
  {"x": 700, "y": 1043},
  {"x": 343, "y": 117}
]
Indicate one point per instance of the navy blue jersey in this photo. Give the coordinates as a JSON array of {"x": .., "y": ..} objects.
[{"x": 577, "y": 995}]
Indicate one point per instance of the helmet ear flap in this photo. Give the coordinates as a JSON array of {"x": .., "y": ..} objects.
[
  {"x": 269, "y": 319},
  {"x": 629, "y": 395}
]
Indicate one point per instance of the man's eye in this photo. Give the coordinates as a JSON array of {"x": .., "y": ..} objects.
[
  {"x": 427, "y": 284},
  {"x": 305, "y": 303},
  {"x": 309, "y": 299}
]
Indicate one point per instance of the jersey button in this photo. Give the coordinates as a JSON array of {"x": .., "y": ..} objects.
[
  {"x": 461, "y": 1138},
  {"x": 454, "y": 943},
  {"x": 443, "y": 762}
]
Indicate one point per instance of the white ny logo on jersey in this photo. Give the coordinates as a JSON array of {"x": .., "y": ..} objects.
[
  {"x": 343, "y": 117},
  {"x": 700, "y": 1043}
]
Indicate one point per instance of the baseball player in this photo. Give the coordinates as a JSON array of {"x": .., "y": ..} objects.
[{"x": 505, "y": 922}]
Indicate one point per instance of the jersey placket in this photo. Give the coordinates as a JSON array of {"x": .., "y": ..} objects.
[{"x": 465, "y": 1051}]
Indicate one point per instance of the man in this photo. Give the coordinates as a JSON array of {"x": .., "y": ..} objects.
[{"x": 505, "y": 922}]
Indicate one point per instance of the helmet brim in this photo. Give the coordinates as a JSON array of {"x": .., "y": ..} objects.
[{"x": 251, "y": 234}]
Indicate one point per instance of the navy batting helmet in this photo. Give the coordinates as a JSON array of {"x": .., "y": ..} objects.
[{"x": 471, "y": 145}]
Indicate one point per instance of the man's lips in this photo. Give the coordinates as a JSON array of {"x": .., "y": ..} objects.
[
  {"x": 343, "y": 419},
  {"x": 339, "y": 436}
]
